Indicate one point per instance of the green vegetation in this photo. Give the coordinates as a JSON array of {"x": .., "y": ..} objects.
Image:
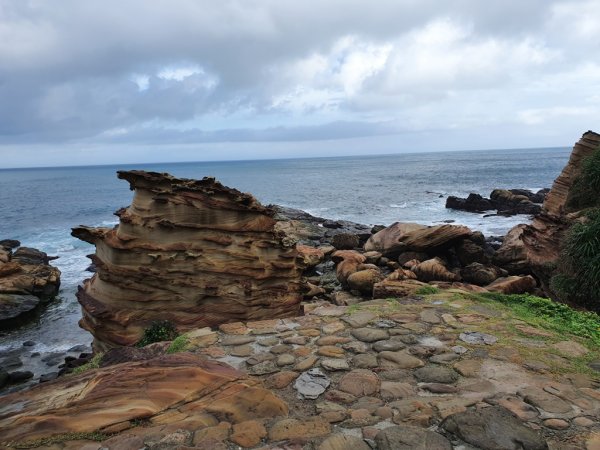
[
  {"x": 578, "y": 279},
  {"x": 427, "y": 290},
  {"x": 158, "y": 331},
  {"x": 179, "y": 344},
  {"x": 585, "y": 192},
  {"x": 549, "y": 314},
  {"x": 59, "y": 438},
  {"x": 93, "y": 363}
]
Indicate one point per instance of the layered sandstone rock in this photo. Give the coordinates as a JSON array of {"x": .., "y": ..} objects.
[
  {"x": 26, "y": 279},
  {"x": 193, "y": 252},
  {"x": 181, "y": 389},
  {"x": 536, "y": 248},
  {"x": 401, "y": 237}
]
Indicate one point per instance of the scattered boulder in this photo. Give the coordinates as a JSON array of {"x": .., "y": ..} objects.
[
  {"x": 508, "y": 203},
  {"x": 399, "y": 288},
  {"x": 345, "y": 241},
  {"x": 364, "y": 280},
  {"x": 434, "y": 270},
  {"x": 347, "y": 263},
  {"x": 468, "y": 252},
  {"x": 513, "y": 285},
  {"x": 480, "y": 274},
  {"x": 401, "y": 237},
  {"x": 473, "y": 203}
]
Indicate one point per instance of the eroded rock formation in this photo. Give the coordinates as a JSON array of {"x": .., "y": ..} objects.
[
  {"x": 193, "y": 252},
  {"x": 184, "y": 389},
  {"x": 536, "y": 248}
]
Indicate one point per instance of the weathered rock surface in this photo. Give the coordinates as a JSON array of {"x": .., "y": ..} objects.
[
  {"x": 26, "y": 280},
  {"x": 193, "y": 252},
  {"x": 401, "y": 237},
  {"x": 513, "y": 285},
  {"x": 536, "y": 248},
  {"x": 434, "y": 270},
  {"x": 164, "y": 390}
]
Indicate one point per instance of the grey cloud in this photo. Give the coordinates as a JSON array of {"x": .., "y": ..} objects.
[{"x": 66, "y": 70}]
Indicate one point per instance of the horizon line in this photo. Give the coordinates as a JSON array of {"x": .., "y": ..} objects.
[{"x": 75, "y": 166}]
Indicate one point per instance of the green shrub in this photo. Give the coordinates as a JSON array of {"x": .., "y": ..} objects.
[
  {"x": 158, "y": 331},
  {"x": 179, "y": 344},
  {"x": 427, "y": 290},
  {"x": 578, "y": 279},
  {"x": 93, "y": 363}
]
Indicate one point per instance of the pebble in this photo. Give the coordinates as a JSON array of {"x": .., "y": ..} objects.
[
  {"x": 335, "y": 364},
  {"x": 311, "y": 384},
  {"x": 370, "y": 334},
  {"x": 475, "y": 337}
]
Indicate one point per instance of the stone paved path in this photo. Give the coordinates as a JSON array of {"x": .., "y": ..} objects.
[{"x": 438, "y": 372}]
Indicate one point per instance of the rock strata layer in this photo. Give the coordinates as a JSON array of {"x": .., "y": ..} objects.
[{"x": 193, "y": 252}]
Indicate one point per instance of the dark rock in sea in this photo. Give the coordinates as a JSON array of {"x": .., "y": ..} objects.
[
  {"x": 331, "y": 224},
  {"x": 12, "y": 362},
  {"x": 44, "y": 378},
  {"x": 78, "y": 348},
  {"x": 10, "y": 243},
  {"x": 19, "y": 376},
  {"x": 473, "y": 203},
  {"x": 28, "y": 344},
  {"x": 508, "y": 203},
  {"x": 13, "y": 305},
  {"x": 53, "y": 359},
  {"x": 34, "y": 355}
]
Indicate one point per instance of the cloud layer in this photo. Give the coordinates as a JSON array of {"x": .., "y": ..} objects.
[{"x": 112, "y": 75}]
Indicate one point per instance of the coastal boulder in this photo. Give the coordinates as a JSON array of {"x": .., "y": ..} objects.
[
  {"x": 179, "y": 389},
  {"x": 345, "y": 241},
  {"x": 473, "y": 203},
  {"x": 26, "y": 280},
  {"x": 507, "y": 202},
  {"x": 348, "y": 262},
  {"x": 434, "y": 270},
  {"x": 363, "y": 280},
  {"x": 191, "y": 252},
  {"x": 480, "y": 274},
  {"x": 401, "y": 237},
  {"x": 513, "y": 285}
]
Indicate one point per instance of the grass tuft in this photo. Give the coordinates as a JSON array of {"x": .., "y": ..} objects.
[
  {"x": 158, "y": 331},
  {"x": 427, "y": 290},
  {"x": 179, "y": 344},
  {"x": 93, "y": 363}
]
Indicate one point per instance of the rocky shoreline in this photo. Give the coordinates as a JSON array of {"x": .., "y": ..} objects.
[{"x": 300, "y": 332}]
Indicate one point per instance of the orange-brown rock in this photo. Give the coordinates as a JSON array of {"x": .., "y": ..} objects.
[
  {"x": 310, "y": 256},
  {"x": 434, "y": 270},
  {"x": 399, "y": 288},
  {"x": 513, "y": 285},
  {"x": 363, "y": 280},
  {"x": 193, "y": 252},
  {"x": 401, "y": 237},
  {"x": 401, "y": 274},
  {"x": 26, "y": 278},
  {"x": 347, "y": 262},
  {"x": 169, "y": 389},
  {"x": 537, "y": 246}
]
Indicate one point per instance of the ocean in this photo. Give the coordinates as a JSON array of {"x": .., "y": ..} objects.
[{"x": 40, "y": 206}]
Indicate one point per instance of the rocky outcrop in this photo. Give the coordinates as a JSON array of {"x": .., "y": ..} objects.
[
  {"x": 536, "y": 248},
  {"x": 193, "y": 252},
  {"x": 182, "y": 389},
  {"x": 402, "y": 237},
  {"x": 505, "y": 201},
  {"x": 26, "y": 280}
]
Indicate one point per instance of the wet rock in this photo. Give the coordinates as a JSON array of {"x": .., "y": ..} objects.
[
  {"x": 475, "y": 337},
  {"x": 493, "y": 428},
  {"x": 19, "y": 376},
  {"x": 12, "y": 362},
  {"x": 473, "y": 203},
  {"x": 28, "y": 343},
  {"x": 3, "y": 378},
  {"x": 407, "y": 437},
  {"x": 311, "y": 384},
  {"x": 48, "y": 377}
]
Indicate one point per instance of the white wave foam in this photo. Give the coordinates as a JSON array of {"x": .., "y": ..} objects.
[{"x": 402, "y": 205}]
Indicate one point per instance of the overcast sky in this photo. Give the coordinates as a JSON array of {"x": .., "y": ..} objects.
[{"x": 115, "y": 81}]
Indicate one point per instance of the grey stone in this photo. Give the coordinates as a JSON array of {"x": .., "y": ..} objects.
[
  {"x": 237, "y": 340},
  {"x": 364, "y": 361},
  {"x": 343, "y": 442},
  {"x": 493, "y": 428},
  {"x": 335, "y": 364},
  {"x": 359, "y": 319},
  {"x": 263, "y": 368},
  {"x": 388, "y": 346},
  {"x": 436, "y": 374},
  {"x": 444, "y": 358},
  {"x": 475, "y": 337},
  {"x": 370, "y": 334},
  {"x": 19, "y": 376},
  {"x": 404, "y": 437},
  {"x": 311, "y": 384},
  {"x": 48, "y": 377}
]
